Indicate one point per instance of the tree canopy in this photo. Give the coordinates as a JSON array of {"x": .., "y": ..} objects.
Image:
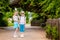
[
  {"x": 48, "y": 7},
  {"x": 39, "y": 6},
  {"x": 43, "y": 8}
]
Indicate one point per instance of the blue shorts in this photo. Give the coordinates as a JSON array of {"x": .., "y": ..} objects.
[
  {"x": 22, "y": 27},
  {"x": 15, "y": 24}
]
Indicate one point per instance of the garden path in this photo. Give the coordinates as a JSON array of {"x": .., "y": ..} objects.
[{"x": 31, "y": 33}]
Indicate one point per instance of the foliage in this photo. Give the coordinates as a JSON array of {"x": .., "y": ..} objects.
[
  {"x": 6, "y": 12},
  {"x": 43, "y": 8},
  {"x": 27, "y": 17},
  {"x": 35, "y": 15},
  {"x": 10, "y": 24},
  {"x": 52, "y": 31},
  {"x": 48, "y": 7},
  {"x": 4, "y": 6},
  {"x": 9, "y": 14},
  {"x": 48, "y": 29}
]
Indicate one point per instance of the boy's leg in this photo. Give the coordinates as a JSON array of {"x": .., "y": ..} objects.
[
  {"x": 22, "y": 34},
  {"x": 22, "y": 29}
]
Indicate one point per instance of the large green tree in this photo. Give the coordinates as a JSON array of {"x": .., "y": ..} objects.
[
  {"x": 45, "y": 7},
  {"x": 4, "y": 8}
]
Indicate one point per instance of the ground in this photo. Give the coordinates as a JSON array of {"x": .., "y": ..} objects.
[{"x": 31, "y": 33}]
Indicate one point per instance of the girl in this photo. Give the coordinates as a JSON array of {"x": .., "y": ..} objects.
[
  {"x": 22, "y": 23},
  {"x": 15, "y": 18}
]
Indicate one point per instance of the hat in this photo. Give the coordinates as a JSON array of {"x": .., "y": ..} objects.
[{"x": 22, "y": 12}]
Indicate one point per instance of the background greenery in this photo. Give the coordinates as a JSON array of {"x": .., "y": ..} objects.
[{"x": 42, "y": 8}]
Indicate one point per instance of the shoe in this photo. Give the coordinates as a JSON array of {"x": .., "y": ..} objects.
[
  {"x": 22, "y": 35},
  {"x": 15, "y": 36}
]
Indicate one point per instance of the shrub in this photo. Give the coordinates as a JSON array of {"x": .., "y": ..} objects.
[
  {"x": 3, "y": 22},
  {"x": 27, "y": 17},
  {"x": 48, "y": 30},
  {"x": 54, "y": 33}
]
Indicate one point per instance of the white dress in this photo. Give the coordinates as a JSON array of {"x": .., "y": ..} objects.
[{"x": 15, "y": 18}]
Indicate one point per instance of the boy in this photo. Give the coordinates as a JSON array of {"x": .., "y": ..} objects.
[{"x": 22, "y": 23}]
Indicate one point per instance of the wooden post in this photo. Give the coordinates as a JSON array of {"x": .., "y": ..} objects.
[{"x": 59, "y": 29}]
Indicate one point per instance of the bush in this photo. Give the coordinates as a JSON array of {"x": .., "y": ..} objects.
[
  {"x": 48, "y": 31},
  {"x": 52, "y": 32},
  {"x": 3, "y": 22},
  {"x": 10, "y": 24},
  {"x": 1, "y": 16},
  {"x": 27, "y": 17}
]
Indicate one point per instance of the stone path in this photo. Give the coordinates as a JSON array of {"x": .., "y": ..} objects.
[{"x": 30, "y": 34}]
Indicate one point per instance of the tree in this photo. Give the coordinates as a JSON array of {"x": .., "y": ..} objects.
[
  {"x": 4, "y": 7},
  {"x": 48, "y": 7}
]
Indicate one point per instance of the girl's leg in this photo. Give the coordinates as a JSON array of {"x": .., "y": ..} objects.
[
  {"x": 16, "y": 29},
  {"x": 15, "y": 33}
]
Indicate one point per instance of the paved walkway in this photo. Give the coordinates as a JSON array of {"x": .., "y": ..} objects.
[{"x": 30, "y": 34}]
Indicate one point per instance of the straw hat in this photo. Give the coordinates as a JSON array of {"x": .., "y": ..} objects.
[{"x": 22, "y": 12}]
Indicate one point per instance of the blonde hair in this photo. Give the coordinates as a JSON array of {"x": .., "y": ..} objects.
[{"x": 15, "y": 12}]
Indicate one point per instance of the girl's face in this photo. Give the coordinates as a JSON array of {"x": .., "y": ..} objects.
[{"x": 16, "y": 13}]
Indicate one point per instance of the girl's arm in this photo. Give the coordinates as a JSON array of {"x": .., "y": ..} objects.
[{"x": 13, "y": 18}]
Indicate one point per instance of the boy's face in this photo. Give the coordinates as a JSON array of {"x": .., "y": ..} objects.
[{"x": 22, "y": 14}]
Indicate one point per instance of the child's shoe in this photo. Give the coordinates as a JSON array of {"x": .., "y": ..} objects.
[
  {"x": 22, "y": 35},
  {"x": 15, "y": 35}
]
